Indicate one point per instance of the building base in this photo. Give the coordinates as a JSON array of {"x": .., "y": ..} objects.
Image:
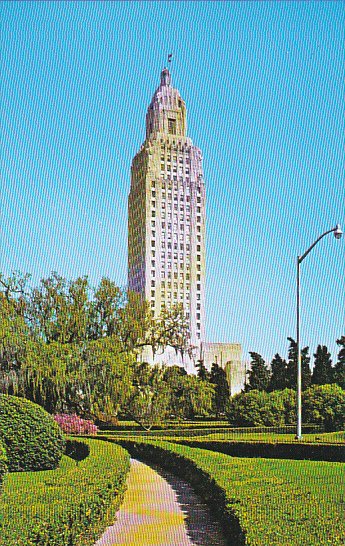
[{"x": 227, "y": 355}]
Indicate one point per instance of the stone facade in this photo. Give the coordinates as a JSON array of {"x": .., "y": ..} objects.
[{"x": 166, "y": 213}]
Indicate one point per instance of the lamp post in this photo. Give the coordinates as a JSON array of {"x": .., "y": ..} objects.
[{"x": 337, "y": 234}]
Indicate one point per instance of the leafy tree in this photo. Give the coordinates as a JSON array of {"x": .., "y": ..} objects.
[
  {"x": 278, "y": 379},
  {"x": 339, "y": 368},
  {"x": 105, "y": 309},
  {"x": 14, "y": 288},
  {"x": 105, "y": 381},
  {"x": 322, "y": 371},
  {"x": 259, "y": 374},
  {"x": 148, "y": 404},
  {"x": 222, "y": 391},
  {"x": 58, "y": 310},
  {"x": 14, "y": 338},
  {"x": 325, "y": 405},
  {"x": 73, "y": 349},
  {"x": 292, "y": 366},
  {"x": 197, "y": 397},
  {"x": 188, "y": 395}
]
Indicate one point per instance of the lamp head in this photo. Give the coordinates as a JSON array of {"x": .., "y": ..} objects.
[{"x": 337, "y": 232}]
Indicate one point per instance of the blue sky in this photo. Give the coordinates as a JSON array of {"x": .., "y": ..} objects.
[{"x": 263, "y": 84}]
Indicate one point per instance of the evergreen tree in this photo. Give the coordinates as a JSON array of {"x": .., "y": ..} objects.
[
  {"x": 222, "y": 391},
  {"x": 292, "y": 366},
  {"x": 259, "y": 374},
  {"x": 322, "y": 371},
  {"x": 278, "y": 379},
  {"x": 202, "y": 372},
  {"x": 339, "y": 369}
]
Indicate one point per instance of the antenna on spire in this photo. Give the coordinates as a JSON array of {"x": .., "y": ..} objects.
[{"x": 170, "y": 56}]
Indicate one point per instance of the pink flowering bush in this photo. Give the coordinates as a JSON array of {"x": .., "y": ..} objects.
[{"x": 72, "y": 424}]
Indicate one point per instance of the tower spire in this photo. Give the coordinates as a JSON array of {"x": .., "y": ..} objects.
[{"x": 165, "y": 77}]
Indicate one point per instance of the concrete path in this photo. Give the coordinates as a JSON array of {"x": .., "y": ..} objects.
[{"x": 159, "y": 509}]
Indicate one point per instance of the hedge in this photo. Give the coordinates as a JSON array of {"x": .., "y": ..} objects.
[
  {"x": 272, "y": 450},
  {"x": 32, "y": 439},
  {"x": 203, "y": 431},
  {"x": 259, "y": 502},
  {"x": 71, "y": 505},
  {"x": 3, "y": 463}
]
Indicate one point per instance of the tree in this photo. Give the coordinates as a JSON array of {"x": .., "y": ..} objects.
[
  {"x": 197, "y": 397},
  {"x": 58, "y": 310},
  {"x": 292, "y": 366},
  {"x": 71, "y": 348},
  {"x": 339, "y": 368},
  {"x": 148, "y": 404},
  {"x": 278, "y": 379},
  {"x": 105, "y": 309},
  {"x": 259, "y": 374},
  {"x": 222, "y": 391},
  {"x": 188, "y": 395},
  {"x": 322, "y": 371},
  {"x": 202, "y": 372}
]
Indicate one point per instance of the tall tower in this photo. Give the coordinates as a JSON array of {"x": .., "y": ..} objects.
[{"x": 166, "y": 213}]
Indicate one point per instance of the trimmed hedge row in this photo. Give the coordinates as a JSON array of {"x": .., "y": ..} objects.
[
  {"x": 68, "y": 506},
  {"x": 259, "y": 501},
  {"x": 271, "y": 450},
  {"x": 3, "y": 463},
  {"x": 32, "y": 439},
  {"x": 204, "y": 431}
]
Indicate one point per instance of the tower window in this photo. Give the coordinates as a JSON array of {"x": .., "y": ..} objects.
[{"x": 172, "y": 126}]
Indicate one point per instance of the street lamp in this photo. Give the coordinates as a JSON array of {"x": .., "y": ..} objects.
[{"x": 337, "y": 234}]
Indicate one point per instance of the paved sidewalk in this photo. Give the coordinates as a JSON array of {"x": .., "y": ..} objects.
[{"x": 158, "y": 513}]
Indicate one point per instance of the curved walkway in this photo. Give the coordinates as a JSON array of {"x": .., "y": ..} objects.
[{"x": 160, "y": 509}]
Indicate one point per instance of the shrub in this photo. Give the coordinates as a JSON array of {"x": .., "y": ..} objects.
[
  {"x": 3, "y": 462},
  {"x": 72, "y": 424},
  {"x": 255, "y": 408},
  {"x": 71, "y": 505},
  {"x": 32, "y": 439},
  {"x": 325, "y": 405},
  {"x": 288, "y": 398}
]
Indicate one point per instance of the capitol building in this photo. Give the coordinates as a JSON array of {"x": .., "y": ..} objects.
[{"x": 166, "y": 232}]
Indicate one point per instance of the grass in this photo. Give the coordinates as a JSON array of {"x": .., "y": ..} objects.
[
  {"x": 328, "y": 437},
  {"x": 91, "y": 490},
  {"x": 224, "y": 434},
  {"x": 277, "y": 502}
]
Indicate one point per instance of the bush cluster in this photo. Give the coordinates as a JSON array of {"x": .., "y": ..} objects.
[
  {"x": 72, "y": 505},
  {"x": 259, "y": 408},
  {"x": 325, "y": 405},
  {"x": 32, "y": 439},
  {"x": 72, "y": 424},
  {"x": 322, "y": 404}
]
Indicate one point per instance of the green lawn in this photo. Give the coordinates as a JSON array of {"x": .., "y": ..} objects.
[
  {"x": 91, "y": 490},
  {"x": 329, "y": 437}
]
